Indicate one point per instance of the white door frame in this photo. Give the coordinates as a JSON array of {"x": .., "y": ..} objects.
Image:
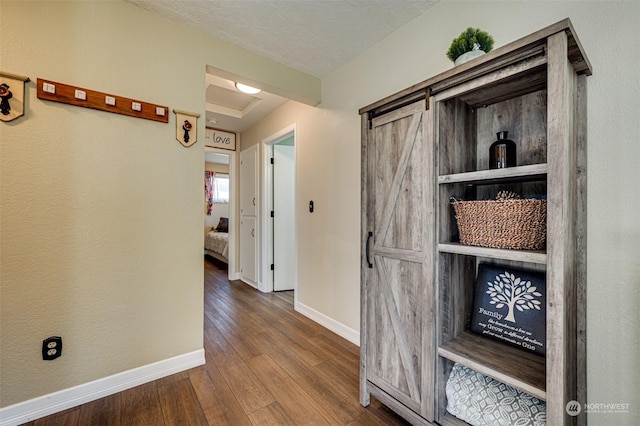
[
  {"x": 233, "y": 181},
  {"x": 266, "y": 283}
]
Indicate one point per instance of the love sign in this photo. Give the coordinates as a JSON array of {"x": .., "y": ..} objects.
[{"x": 215, "y": 138}]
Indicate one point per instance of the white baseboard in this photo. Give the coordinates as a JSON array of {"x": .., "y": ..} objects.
[
  {"x": 52, "y": 403},
  {"x": 249, "y": 283},
  {"x": 340, "y": 329},
  {"x": 234, "y": 276}
]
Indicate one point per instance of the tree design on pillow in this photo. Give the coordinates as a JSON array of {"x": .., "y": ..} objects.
[{"x": 513, "y": 292}]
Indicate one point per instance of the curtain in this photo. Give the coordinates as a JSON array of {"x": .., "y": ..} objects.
[
  {"x": 209, "y": 188},
  {"x": 221, "y": 189}
]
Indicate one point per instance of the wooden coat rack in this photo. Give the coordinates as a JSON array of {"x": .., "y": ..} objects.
[{"x": 73, "y": 95}]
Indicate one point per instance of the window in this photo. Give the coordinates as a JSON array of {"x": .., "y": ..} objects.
[{"x": 221, "y": 188}]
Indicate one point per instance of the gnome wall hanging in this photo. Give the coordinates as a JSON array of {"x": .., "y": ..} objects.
[
  {"x": 186, "y": 127},
  {"x": 5, "y": 95},
  {"x": 11, "y": 96}
]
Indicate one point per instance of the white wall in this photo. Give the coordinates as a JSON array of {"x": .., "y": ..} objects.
[
  {"x": 100, "y": 218},
  {"x": 328, "y": 168}
]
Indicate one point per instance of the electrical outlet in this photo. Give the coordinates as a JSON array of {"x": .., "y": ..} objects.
[{"x": 51, "y": 348}]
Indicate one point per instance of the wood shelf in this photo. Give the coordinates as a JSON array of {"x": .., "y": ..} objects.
[
  {"x": 519, "y": 76},
  {"x": 515, "y": 367},
  {"x": 536, "y": 256},
  {"x": 511, "y": 174},
  {"x": 451, "y": 420}
]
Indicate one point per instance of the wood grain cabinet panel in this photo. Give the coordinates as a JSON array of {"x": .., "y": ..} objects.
[{"x": 398, "y": 351}]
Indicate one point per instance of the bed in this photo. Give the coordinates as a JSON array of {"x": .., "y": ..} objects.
[{"x": 216, "y": 241}]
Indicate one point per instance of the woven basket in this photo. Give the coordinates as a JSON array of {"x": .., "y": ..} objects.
[{"x": 519, "y": 224}]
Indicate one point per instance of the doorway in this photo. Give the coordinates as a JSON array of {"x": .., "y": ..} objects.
[
  {"x": 222, "y": 163},
  {"x": 279, "y": 250}
]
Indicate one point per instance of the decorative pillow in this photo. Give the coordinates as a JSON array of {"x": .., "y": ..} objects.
[
  {"x": 482, "y": 401},
  {"x": 223, "y": 225}
]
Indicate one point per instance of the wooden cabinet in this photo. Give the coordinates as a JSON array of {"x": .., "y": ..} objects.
[{"x": 535, "y": 88}]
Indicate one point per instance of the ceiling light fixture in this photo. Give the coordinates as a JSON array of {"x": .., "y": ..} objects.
[{"x": 247, "y": 89}]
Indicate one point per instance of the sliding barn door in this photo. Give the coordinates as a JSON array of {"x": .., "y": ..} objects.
[{"x": 398, "y": 263}]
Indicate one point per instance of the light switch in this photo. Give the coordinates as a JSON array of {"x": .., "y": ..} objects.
[
  {"x": 160, "y": 111},
  {"x": 136, "y": 106},
  {"x": 49, "y": 88},
  {"x": 110, "y": 100},
  {"x": 81, "y": 94}
]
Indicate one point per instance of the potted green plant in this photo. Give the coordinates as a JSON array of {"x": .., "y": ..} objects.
[{"x": 470, "y": 44}]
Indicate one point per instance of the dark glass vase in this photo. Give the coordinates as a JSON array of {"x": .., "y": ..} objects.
[{"x": 502, "y": 152}]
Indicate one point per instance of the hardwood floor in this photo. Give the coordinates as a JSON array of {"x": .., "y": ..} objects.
[{"x": 266, "y": 365}]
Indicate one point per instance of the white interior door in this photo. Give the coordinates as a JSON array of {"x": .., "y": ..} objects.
[
  {"x": 249, "y": 216},
  {"x": 284, "y": 238},
  {"x": 248, "y": 250},
  {"x": 249, "y": 181}
]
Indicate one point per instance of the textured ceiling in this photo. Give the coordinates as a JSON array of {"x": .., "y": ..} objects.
[{"x": 314, "y": 36}]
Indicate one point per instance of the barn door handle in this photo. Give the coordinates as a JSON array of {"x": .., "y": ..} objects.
[
  {"x": 254, "y": 201},
  {"x": 369, "y": 264},
  {"x": 253, "y": 232}
]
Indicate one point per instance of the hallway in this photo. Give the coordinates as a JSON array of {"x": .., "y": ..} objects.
[{"x": 266, "y": 365}]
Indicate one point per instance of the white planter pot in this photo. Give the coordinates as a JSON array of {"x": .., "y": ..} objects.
[{"x": 467, "y": 56}]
